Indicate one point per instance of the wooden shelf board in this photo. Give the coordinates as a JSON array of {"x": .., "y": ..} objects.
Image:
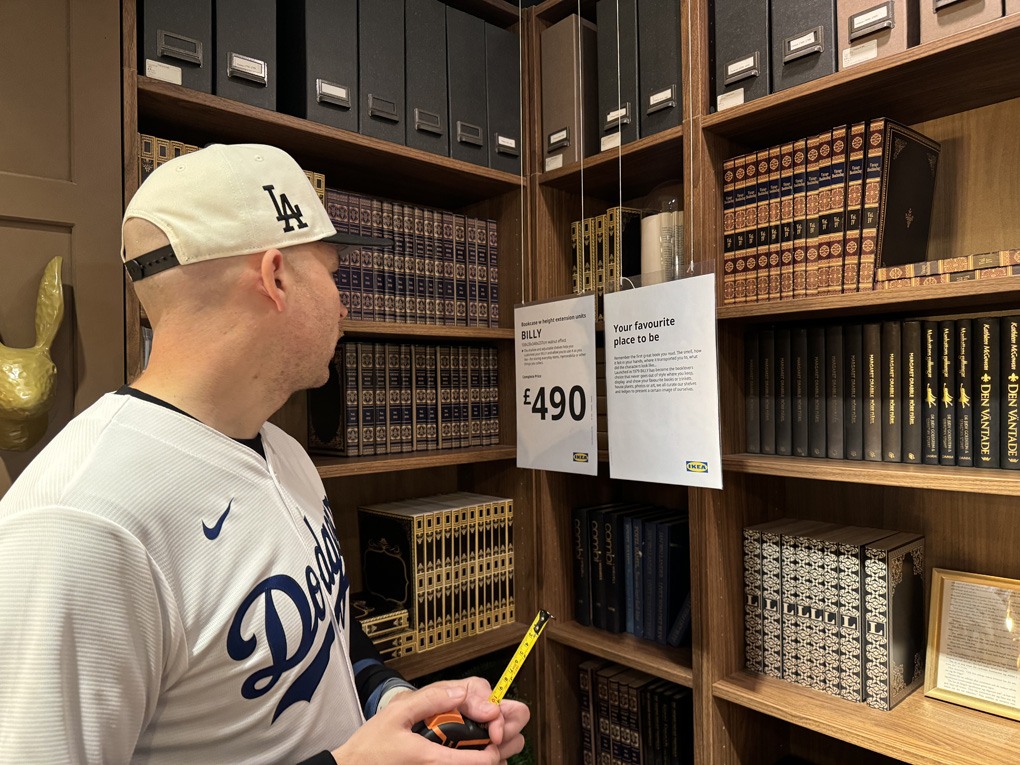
[
  {"x": 390, "y": 329},
  {"x": 937, "y": 477},
  {"x": 443, "y": 657},
  {"x": 642, "y": 164},
  {"x": 972, "y": 294},
  {"x": 918, "y": 730},
  {"x": 338, "y": 467},
  {"x": 973, "y": 68},
  {"x": 666, "y": 662},
  {"x": 350, "y": 161}
]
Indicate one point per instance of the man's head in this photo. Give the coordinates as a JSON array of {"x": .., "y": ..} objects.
[{"x": 233, "y": 242}]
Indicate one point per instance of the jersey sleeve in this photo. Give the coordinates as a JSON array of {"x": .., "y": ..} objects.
[
  {"x": 372, "y": 678},
  {"x": 83, "y": 632}
]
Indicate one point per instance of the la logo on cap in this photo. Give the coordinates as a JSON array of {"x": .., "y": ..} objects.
[{"x": 285, "y": 211}]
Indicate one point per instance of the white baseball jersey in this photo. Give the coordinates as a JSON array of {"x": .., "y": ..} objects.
[{"x": 166, "y": 595}]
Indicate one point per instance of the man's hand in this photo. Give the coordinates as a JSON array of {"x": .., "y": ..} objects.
[
  {"x": 387, "y": 738},
  {"x": 505, "y": 720}
]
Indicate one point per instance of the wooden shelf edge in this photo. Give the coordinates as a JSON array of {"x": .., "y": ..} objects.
[
  {"x": 389, "y": 329},
  {"x": 563, "y": 177},
  {"x": 918, "y": 730},
  {"x": 443, "y": 657},
  {"x": 662, "y": 661},
  {"x": 971, "y": 293},
  {"x": 737, "y": 120},
  {"x": 940, "y": 478},
  {"x": 179, "y": 104},
  {"x": 338, "y": 467}
]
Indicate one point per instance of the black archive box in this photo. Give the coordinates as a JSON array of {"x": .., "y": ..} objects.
[
  {"x": 619, "y": 91},
  {"x": 465, "y": 71},
  {"x": 175, "y": 42},
  {"x": 503, "y": 98},
  {"x": 246, "y": 60},
  {"x": 659, "y": 66},
  {"x": 803, "y": 41},
  {"x": 381, "y": 69},
  {"x": 741, "y": 53},
  {"x": 426, "y": 123},
  {"x": 319, "y": 61}
]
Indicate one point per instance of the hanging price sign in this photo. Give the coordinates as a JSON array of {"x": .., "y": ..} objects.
[{"x": 555, "y": 355}]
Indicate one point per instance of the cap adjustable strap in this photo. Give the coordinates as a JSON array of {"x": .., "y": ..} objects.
[{"x": 151, "y": 263}]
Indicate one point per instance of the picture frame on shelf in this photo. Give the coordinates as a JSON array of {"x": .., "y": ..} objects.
[{"x": 974, "y": 642}]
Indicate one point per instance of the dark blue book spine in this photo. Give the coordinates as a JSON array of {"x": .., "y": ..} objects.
[
  {"x": 649, "y": 548},
  {"x": 612, "y": 553},
  {"x": 681, "y": 628},
  {"x": 581, "y": 555},
  {"x": 597, "y": 576},
  {"x": 628, "y": 574},
  {"x": 637, "y": 590}
]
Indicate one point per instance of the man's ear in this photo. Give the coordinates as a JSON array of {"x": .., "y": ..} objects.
[{"x": 273, "y": 281}]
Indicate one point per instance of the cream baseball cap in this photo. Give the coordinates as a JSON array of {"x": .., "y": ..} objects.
[{"x": 227, "y": 200}]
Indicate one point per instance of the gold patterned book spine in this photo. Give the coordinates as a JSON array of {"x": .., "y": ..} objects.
[
  {"x": 753, "y": 652},
  {"x": 775, "y": 222},
  {"x": 146, "y": 156},
  {"x": 786, "y": 221},
  {"x": 872, "y": 198},
  {"x": 510, "y": 599},
  {"x": 729, "y": 232},
  {"x": 740, "y": 264},
  {"x": 599, "y": 276},
  {"x": 449, "y": 609},
  {"x": 162, "y": 151},
  {"x": 854, "y": 196},
  {"x": 836, "y": 215},
  {"x": 799, "y": 222},
  {"x": 418, "y": 567},
  {"x": 502, "y": 561},
  {"x": 811, "y": 218},
  {"x": 382, "y": 431},
  {"x": 998, "y": 272},
  {"x": 762, "y": 238},
  {"x": 818, "y": 282},
  {"x": 433, "y": 623},
  {"x": 961, "y": 264},
  {"x": 487, "y": 562},
  {"x": 457, "y": 538},
  {"x": 576, "y": 280},
  {"x": 471, "y": 568}
]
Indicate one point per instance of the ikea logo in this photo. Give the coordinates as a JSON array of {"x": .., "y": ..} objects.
[
  {"x": 697, "y": 467},
  {"x": 580, "y": 456}
]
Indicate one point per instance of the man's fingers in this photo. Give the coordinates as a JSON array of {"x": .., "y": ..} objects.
[{"x": 424, "y": 703}]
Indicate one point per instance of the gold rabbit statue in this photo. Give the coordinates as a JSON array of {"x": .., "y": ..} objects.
[{"x": 28, "y": 377}]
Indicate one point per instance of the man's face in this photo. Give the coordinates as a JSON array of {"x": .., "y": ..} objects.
[{"x": 322, "y": 312}]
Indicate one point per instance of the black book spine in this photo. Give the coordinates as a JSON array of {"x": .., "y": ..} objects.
[
  {"x": 964, "y": 393},
  {"x": 892, "y": 396},
  {"x": 853, "y": 398},
  {"x": 834, "y": 392},
  {"x": 912, "y": 401},
  {"x": 799, "y": 402},
  {"x": 930, "y": 418},
  {"x": 987, "y": 369},
  {"x": 1010, "y": 366},
  {"x": 872, "y": 344},
  {"x": 947, "y": 403},
  {"x": 784, "y": 419},
  {"x": 596, "y": 573},
  {"x": 581, "y": 553},
  {"x": 768, "y": 391},
  {"x": 612, "y": 571},
  {"x": 752, "y": 391},
  {"x": 816, "y": 391}
]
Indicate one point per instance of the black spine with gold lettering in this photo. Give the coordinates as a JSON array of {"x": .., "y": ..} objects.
[
  {"x": 947, "y": 401},
  {"x": 987, "y": 386},
  {"x": 799, "y": 404},
  {"x": 834, "y": 392},
  {"x": 964, "y": 394},
  {"x": 752, "y": 392},
  {"x": 930, "y": 343},
  {"x": 892, "y": 397},
  {"x": 784, "y": 421},
  {"x": 872, "y": 343},
  {"x": 853, "y": 393},
  {"x": 912, "y": 400},
  {"x": 1010, "y": 366},
  {"x": 816, "y": 392},
  {"x": 768, "y": 391}
]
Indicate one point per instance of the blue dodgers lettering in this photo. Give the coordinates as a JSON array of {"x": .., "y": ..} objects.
[{"x": 310, "y": 604}]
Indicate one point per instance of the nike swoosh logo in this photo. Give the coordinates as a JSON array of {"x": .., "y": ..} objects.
[{"x": 212, "y": 533}]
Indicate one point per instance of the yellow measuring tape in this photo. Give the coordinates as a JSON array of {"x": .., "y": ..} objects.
[{"x": 529, "y": 640}]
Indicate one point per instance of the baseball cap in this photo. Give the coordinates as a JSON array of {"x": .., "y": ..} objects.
[{"x": 226, "y": 200}]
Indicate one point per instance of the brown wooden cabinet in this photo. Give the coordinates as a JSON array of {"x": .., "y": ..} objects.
[{"x": 963, "y": 91}]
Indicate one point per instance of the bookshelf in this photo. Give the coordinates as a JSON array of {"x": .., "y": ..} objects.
[
  {"x": 962, "y": 91},
  {"x": 352, "y": 162}
]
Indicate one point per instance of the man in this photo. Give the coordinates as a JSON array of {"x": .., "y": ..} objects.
[{"x": 171, "y": 582}]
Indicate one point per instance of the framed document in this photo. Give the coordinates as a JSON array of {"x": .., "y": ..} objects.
[{"x": 974, "y": 642}]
